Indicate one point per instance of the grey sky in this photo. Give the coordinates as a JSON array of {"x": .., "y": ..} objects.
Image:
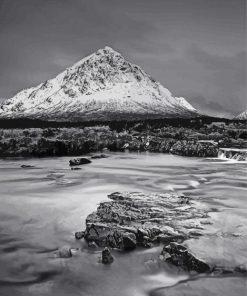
[{"x": 195, "y": 48}]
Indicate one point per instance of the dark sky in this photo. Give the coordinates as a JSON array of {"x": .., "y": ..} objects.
[{"x": 195, "y": 48}]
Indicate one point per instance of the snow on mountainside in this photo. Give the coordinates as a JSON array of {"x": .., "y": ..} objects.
[
  {"x": 242, "y": 116},
  {"x": 102, "y": 86}
]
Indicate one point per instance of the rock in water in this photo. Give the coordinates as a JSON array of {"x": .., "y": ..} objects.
[
  {"x": 79, "y": 234},
  {"x": 106, "y": 257},
  {"x": 179, "y": 255},
  {"x": 64, "y": 252},
  {"x": 26, "y": 166},
  {"x": 79, "y": 161},
  {"x": 136, "y": 219}
]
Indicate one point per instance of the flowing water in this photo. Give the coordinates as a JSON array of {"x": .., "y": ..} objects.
[{"x": 42, "y": 207}]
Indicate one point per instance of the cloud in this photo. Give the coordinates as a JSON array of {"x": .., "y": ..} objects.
[
  {"x": 210, "y": 107},
  {"x": 224, "y": 77}
]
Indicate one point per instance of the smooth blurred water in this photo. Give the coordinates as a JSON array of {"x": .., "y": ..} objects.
[{"x": 42, "y": 207}]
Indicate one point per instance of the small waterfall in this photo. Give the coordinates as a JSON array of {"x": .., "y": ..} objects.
[{"x": 233, "y": 153}]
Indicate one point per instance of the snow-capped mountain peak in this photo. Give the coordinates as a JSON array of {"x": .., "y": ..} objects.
[
  {"x": 102, "y": 86},
  {"x": 242, "y": 116}
]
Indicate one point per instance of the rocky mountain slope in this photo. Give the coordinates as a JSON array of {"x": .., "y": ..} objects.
[
  {"x": 102, "y": 86},
  {"x": 242, "y": 116}
]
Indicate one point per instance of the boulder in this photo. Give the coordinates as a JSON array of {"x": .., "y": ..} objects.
[
  {"x": 79, "y": 234},
  {"x": 106, "y": 256},
  {"x": 64, "y": 252},
  {"x": 179, "y": 256},
  {"x": 26, "y": 166},
  {"x": 79, "y": 161}
]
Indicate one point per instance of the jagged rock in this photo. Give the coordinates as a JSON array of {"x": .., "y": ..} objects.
[
  {"x": 135, "y": 219},
  {"x": 79, "y": 234},
  {"x": 79, "y": 161},
  {"x": 106, "y": 257},
  {"x": 178, "y": 255},
  {"x": 97, "y": 156}
]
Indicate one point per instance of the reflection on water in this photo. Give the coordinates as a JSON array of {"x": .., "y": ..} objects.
[{"x": 42, "y": 207}]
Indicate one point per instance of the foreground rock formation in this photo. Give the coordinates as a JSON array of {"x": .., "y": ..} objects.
[{"x": 129, "y": 220}]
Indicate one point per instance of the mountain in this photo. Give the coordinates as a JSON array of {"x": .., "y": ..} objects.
[
  {"x": 242, "y": 116},
  {"x": 102, "y": 86}
]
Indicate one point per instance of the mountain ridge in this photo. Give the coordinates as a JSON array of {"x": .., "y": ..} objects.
[{"x": 101, "y": 86}]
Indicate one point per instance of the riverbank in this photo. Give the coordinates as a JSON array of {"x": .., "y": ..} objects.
[{"x": 200, "y": 141}]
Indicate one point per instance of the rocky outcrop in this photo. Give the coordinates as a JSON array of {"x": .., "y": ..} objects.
[
  {"x": 134, "y": 219},
  {"x": 131, "y": 220}
]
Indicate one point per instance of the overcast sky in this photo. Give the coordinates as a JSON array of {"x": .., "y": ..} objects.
[{"x": 195, "y": 48}]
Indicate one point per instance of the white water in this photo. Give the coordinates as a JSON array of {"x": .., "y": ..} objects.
[
  {"x": 42, "y": 207},
  {"x": 233, "y": 154}
]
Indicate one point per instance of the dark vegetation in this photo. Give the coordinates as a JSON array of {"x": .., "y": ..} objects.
[
  {"x": 190, "y": 137},
  {"x": 116, "y": 125}
]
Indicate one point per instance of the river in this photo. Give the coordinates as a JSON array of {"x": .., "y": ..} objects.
[{"x": 42, "y": 207}]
